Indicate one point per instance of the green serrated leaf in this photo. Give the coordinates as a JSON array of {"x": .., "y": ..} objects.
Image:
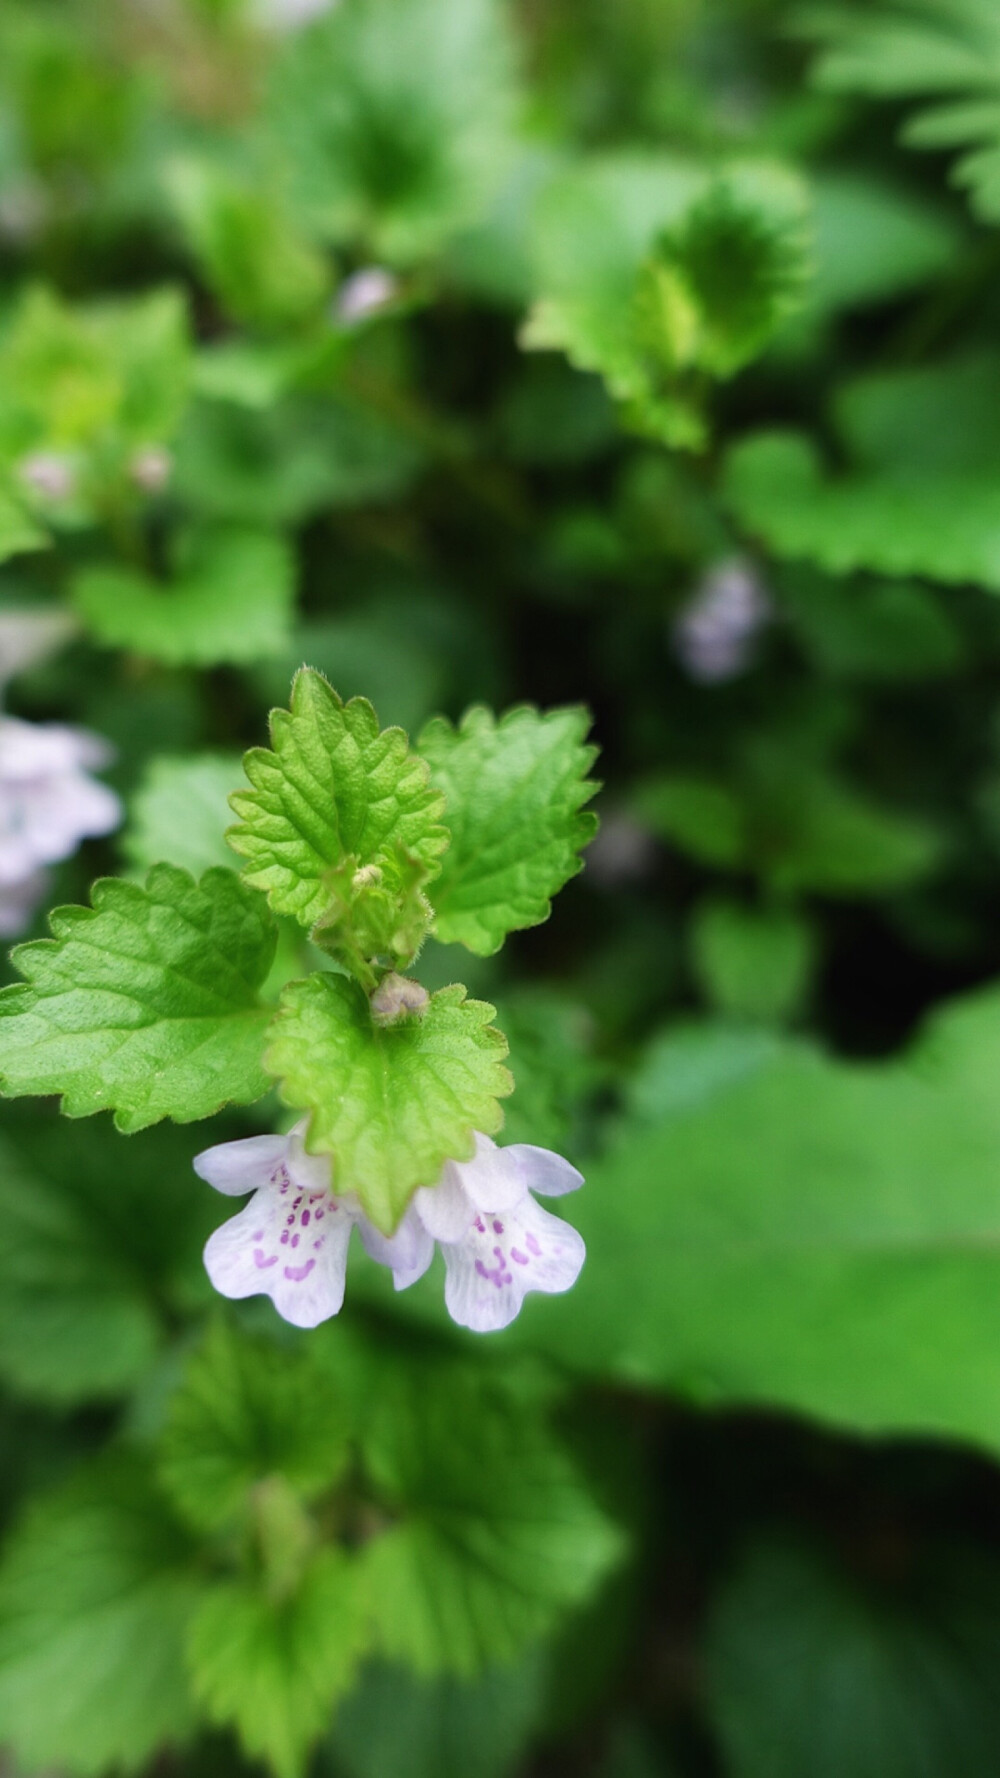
[
  {"x": 661, "y": 274},
  {"x": 843, "y": 1208},
  {"x": 231, "y": 600},
  {"x": 919, "y": 493},
  {"x": 396, "y": 121},
  {"x": 498, "y": 1534},
  {"x": 96, "y": 1591},
  {"x": 146, "y": 1003},
  {"x": 244, "y": 1414},
  {"x": 342, "y": 827},
  {"x": 273, "y": 1667},
  {"x": 180, "y": 811},
  {"x": 943, "y": 53},
  {"x": 390, "y": 1104},
  {"x": 513, "y": 793},
  {"x": 263, "y": 270}
]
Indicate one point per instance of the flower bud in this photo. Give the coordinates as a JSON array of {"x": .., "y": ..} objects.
[{"x": 395, "y": 997}]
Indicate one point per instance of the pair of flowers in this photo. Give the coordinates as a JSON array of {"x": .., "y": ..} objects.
[{"x": 291, "y": 1241}]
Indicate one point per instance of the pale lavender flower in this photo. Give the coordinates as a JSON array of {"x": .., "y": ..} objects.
[
  {"x": 498, "y": 1243},
  {"x": 290, "y": 1242},
  {"x": 151, "y": 468},
  {"x": 714, "y": 634},
  {"x": 364, "y": 293},
  {"x": 48, "y": 474},
  {"x": 48, "y": 803}
]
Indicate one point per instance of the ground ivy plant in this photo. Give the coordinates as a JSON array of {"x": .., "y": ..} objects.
[{"x": 158, "y": 999}]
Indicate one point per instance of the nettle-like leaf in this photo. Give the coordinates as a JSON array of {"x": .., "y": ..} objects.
[
  {"x": 945, "y": 53},
  {"x": 273, "y": 1667},
  {"x": 513, "y": 794},
  {"x": 668, "y": 299},
  {"x": 145, "y": 1004},
  {"x": 93, "y": 382},
  {"x": 260, "y": 266},
  {"x": 230, "y": 600},
  {"x": 390, "y": 1104},
  {"x": 179, "y": 813},
  {"x": 827, "y": 1233},
  {"x": 97, "y": 1588},
  {"x": 396, "y": 120},
  {"x": 497, "y": 1535},
  {"x": 340, "y": 814},
  {"x": 920, "y": 495},
  {"x": 245, "y": 1413}
]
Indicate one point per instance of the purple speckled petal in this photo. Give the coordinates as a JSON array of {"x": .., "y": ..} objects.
[
  {"x": 238, "y": 1167},
  {"x": 290, "y": 1245},
  {"x": 543, "y": 1171},
  {"x": 502, "y": 1258}
]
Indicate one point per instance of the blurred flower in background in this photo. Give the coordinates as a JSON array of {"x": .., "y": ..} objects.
[{"x": 715, "y": 633}]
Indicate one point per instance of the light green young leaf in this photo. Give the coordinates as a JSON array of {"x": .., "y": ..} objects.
[
  {"x": 390, "y": 1104},
  {"x": 273, "y": 1667},
  {"x": 145, "y": 1004},
  {"x": 674, "y": 283},
  {"x": 811, "y": 1670},
  {"x": 337, "y": 796},
  {"x": 245, "y": 1413},
  {"x": 513, "y": 794},
  {"x": 230, "y": 600},
  {"x": 97, "y": 380},
  {"x": 826, "y": 1234},
  {"x": 97, "y": 1588},
  {"x": 498, "y": 1535},
  {"x": 180, "y": 812},
  {"x": 397, "y": 120},
  {"x": 260, "y": 266}
]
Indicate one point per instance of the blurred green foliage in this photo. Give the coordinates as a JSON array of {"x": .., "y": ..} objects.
[{"x": 511, "y": 354}]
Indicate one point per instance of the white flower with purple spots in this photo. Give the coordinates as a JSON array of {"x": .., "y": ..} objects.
[
  {"x": 291, "y": 1240},
  {"x": 498, "y": 1243}
]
